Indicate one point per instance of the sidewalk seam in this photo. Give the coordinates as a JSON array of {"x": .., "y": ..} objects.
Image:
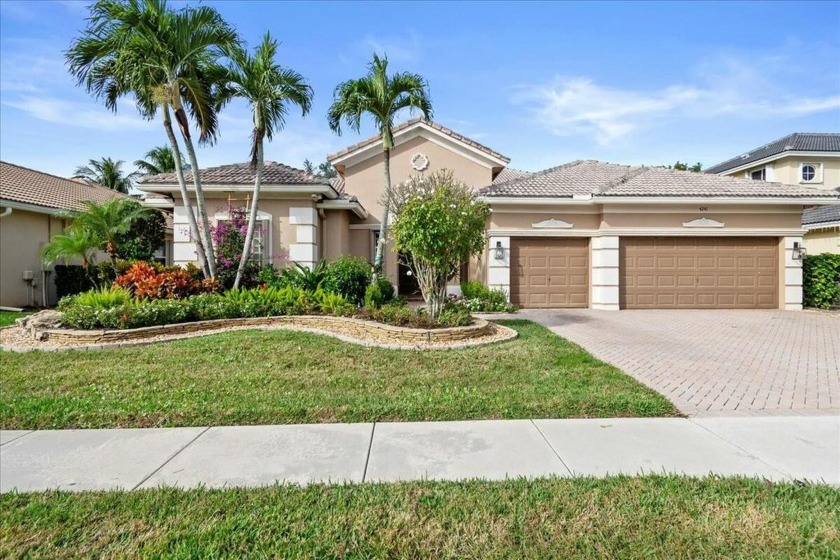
[
  {"x": 370, "y": 446},
  {"x": 736, "y": 446},
  {"x": 17, "y": 438},
  {"x": 178, "y": 452},
  {"x": 556, "y": 454}
]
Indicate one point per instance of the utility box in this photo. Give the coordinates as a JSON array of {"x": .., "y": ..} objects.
[{"x": 28, "y": 275}]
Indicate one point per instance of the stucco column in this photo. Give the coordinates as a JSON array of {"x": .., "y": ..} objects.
[
  {"x": 604, "y": 273},
  {"x": 183, "y": 246},
  {"x": 498, "y": 270},
  {"x": 792, "y": 290},
  {"x": 304, "y": 250}
]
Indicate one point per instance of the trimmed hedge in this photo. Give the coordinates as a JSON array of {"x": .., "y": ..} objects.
[{"x": 821, "y": 280}]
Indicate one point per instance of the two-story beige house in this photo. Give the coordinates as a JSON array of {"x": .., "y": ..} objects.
[
  {"x": 582, "y": 234},
  {"x": 808, "y": 159}
]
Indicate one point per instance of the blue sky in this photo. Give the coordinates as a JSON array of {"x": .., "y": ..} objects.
[{"x": 543, "y": 83}]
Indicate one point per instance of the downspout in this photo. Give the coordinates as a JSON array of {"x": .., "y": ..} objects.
[
  {"x": 322, "y": 234},
  {"x": 6, "y": 212}
]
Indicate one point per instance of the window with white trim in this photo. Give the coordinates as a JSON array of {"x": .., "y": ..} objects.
[
  {"x": 261, "y": 242},
  {"x": 810, "y": 172},
  {"x": 759, "y": 174}
]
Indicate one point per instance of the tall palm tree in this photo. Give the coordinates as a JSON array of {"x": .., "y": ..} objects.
[
  {"x": 269, "y": 89},
  {"x": 381, "y": 97},
  {"x": 107, "y": 221},
  {"x": 166, "y": 60},
  {"x": 159, "y": 159},
  {"x": 106, "y": 172}
]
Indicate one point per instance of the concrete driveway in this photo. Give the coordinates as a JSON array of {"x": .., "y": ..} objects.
[{"x": 716, "y": 362}]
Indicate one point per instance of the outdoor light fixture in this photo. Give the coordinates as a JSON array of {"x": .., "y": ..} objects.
[
  {"x": 500, "y": 251},
  {"x": 798, "y": 251}
]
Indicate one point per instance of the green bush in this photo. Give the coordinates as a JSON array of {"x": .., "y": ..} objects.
[
  {"x": 474, "y": 290},
  {"x": 71, "y": 279},
  {"x": 477, "y": 297},
  {"x": 379, "y": 294},
  {"x": 455, "y": 316},
  {"x": 104, "y": 297},
  {"x": 821, "y": 280},
  {"x": 350, "y": 277},
  {"x": 298, "y": 276}
]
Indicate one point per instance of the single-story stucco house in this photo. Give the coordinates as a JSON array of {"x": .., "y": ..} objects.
[
  {"x": 33, "y": 208},
  {"x": 802, "y": 158},
  {"x": 583, "y": 234}
]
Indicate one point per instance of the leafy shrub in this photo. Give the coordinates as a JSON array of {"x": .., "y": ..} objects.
[
  {"x": 145, "y": 236},
  {"x": 71, "y": 280},
  {"x": 380, "y": 293},
  {"x": 821, "y": 280},
  {"x": 455, "y": 316},
  {"x": 268, "y": 276},
  {"x": 229, "y": 242},
  {"x": 477, "y": 297},
  {"x": 336, "y": 304},
  {"x": 105, "y": 297},
  {"x": 299, "y": 276},
  {"x": 348, "y": 276},
  {"x": 133, "y": 314},
  {"x": 150, "y": 281}
]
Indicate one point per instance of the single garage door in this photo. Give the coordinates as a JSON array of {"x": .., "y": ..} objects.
[
  {"x": 549, "y": 272},
  {"x": 699, "y": 272}
]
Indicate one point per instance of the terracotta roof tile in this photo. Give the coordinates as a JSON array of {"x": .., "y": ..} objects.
[
  {"x": 242, "y": 174},
  {"x": 27, "y": 186},
  {"x": 594, "y": 178},
  {"x": 449, "y": 132}
]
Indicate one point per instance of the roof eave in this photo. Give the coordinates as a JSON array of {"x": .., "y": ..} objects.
[
  {"x": 323, "y": 189},
  {"x": 769, "y": 159},
  {"x": 36, "y": 208}
]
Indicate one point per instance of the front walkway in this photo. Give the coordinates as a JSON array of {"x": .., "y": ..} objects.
[
  {"x": 773, "y": 448},
  {"x": 716, "y": 362}
]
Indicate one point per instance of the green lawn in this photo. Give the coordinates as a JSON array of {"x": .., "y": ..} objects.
[
  {"x": 619, "y": 517},
  {"x": 8, "y": 317},
  {"x": 278, "y": 377}
]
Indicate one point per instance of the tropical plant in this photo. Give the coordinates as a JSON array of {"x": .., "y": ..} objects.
[
  {"x": 74, "y": 244},
  {"x": 104, "y": 297},
  {"x": 107, "y": 222},
  {"x": 168, "y": 61},
  {"x": 348, "y": 276},
  {"x": 299, "y": 276},
  {"x": 145, "y": 235},
  {"x": 269, "y": 89},
  {"x": 229, "y": 242},
  {"x": 381, "y": 97},
  {"x": 159, "y": 159},
  {"x": 324, "y": 169},
  {"x": 379, "y": 293},
  {"x": 106, "y": 172},
  {"x": 439, "y": 225}
]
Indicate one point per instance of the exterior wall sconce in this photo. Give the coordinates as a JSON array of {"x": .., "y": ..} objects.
[
  {"x": 799, "y": 251},
  {"x": 500, "y": 251}
]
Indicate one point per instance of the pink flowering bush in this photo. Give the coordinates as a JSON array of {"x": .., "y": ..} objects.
[{"x": 229, "y": 241}]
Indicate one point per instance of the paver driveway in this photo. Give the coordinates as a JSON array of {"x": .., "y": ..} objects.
[{"x": 716, "y": 362}]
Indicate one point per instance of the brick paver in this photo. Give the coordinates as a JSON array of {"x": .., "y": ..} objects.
[{"x": 717, "y": 362}]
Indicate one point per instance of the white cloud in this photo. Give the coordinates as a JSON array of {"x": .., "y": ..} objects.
[
  {"x": 401, "y": 48},
  {"x": 73, "y": 113},
  {"x": 726, "y": 86}
]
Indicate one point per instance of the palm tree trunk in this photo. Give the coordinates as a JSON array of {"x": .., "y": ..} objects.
[
  {"x": 379, "y": 258},
  {"x": 202, "y": 209},
  {"x": 252, "y": 219},
  {"x": 185, "y": 195}
]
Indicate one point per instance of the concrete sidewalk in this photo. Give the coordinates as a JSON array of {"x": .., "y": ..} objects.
[{"x": 777, "y": 448}]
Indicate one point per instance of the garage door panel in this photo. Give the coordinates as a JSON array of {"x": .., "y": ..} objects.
[
  {"x": 703, "y": 272},
  {"x": 552, "y": 272}
]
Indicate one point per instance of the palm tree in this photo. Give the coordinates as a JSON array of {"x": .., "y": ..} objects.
[
  {"x": 381, "y": 97},
  {"x": 75, "y": 244},
  {"x": 106, "y": 172},
  {"x": 105, "y": 222},
  {"x": 269, "y": 89},
  {"x": 159, "y": 159},
  {"x": 167, "y": 60}
]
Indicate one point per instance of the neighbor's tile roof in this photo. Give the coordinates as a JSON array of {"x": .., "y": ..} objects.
[
  {"x": 27, "y": 186},
  {"x": 242, "y": 174},
  {"x": 411, "y": 122},
  {"x": 821, "y": 215},
  {"x": 585, "y": 178},
  {"x": 796, "y": 142},
  {"x": 337, "y": 184},
  {"x": 508, "y": 174}
]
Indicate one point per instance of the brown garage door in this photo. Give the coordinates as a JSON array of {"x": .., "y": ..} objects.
[
  {"x": 699, "y": 272},
  {"x": 549, "y": 272}
]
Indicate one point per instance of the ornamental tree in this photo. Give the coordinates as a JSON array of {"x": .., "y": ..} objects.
[{"x": 438, "y": 224}]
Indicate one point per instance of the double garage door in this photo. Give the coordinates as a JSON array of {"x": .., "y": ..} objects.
[{"x": 654, "y": 272}]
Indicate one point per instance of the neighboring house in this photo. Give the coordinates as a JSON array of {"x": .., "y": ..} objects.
[
  {"x": 583, "y": 234},
  {"x": 808, "y": 159},
  {"x": 32, "y": 206},
  {"x": 822, "y": 229}
]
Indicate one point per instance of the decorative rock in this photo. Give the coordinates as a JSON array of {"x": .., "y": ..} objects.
[{"x": 35, "y": 325}]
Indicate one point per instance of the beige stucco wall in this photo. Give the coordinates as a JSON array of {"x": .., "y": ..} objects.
[
  {"x": 336, "y": 234},
  {"x": 675, "y": 217},
  {"x": 823, "y": 241},
  {"x": 787, "y": 170},
  {"x": 22, "y": 237}
]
